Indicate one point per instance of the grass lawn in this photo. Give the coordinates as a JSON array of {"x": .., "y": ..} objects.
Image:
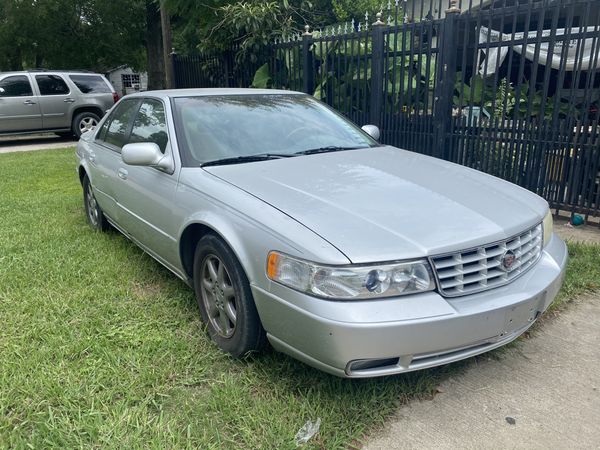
[{"x": 101, "y": 346}]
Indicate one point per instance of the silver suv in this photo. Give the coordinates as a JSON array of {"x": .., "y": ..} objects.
[{"x": 59, "y": 101}]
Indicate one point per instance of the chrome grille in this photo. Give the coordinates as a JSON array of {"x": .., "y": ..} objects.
[{"x": 481, "y": 268}]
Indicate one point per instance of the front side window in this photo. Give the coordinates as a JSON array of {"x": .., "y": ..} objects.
[
  {"x": 90, "y": 84},
  {"x": 15, "y": 86},
  {"x": 118, "y": 125},
  {"x": 51, "y": 85},
  {"x": 210, "y": 128},
  {"x": 150, "y": 124}
]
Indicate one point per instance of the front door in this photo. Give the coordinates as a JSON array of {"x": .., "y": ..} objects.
[
  {"x": 145, "y": 195},
  {"x": 19, "y": 107}
]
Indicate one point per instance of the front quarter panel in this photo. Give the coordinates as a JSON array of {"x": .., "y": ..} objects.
[{"x": 250, "y": 226}]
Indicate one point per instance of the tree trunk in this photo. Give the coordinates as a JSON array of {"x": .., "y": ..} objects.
[
  {"x": 15, "y": 60},
  {"x": 154, "y": 47},
  {"x": 165, "y": 25}
]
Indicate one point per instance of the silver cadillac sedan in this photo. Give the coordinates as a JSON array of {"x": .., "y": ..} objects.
[{"x": 296, "y": 228}]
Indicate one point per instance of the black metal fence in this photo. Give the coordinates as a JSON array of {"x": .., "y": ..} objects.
[
  {"x": 509, "y": 87},
  {"x": 218, "y": 69}
]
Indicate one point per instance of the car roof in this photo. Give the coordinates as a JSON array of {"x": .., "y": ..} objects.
[{"x": 173, "y": 93}]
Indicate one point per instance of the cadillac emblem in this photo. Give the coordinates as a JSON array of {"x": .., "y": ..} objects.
[{"x": 508, "y": 260}]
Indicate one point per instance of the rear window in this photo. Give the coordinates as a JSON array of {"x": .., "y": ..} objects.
[{"x": 90, "y": 84}]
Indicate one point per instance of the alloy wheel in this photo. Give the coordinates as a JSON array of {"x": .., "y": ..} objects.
[
  {"x": 87, "y": 124},
  {"x": 92, "y": 206},
  {"x": 219, "y": 296}
]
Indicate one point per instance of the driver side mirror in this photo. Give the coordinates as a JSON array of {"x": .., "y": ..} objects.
[
  {"x": 372, "y": 130},
  {"x": 146, "y": 154}
]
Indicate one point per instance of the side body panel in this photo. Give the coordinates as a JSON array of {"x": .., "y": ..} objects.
[{"x": 147, "y": 203}]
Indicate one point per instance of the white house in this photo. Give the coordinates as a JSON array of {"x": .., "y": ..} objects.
[{"x": 126, "y": 81}]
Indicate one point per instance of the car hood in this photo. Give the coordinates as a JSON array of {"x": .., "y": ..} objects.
[{"x": 384, "y": 204}]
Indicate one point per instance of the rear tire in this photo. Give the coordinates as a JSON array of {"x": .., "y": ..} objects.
[
  {"x": 225, "y": 299},
  {"x": 83, "y": 122},
  {"x": 93, "y": 212}
]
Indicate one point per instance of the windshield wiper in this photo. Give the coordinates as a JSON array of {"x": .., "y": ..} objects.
[
  {"x": 247, "y": 158},
  {"x": 329, "y": 148}
]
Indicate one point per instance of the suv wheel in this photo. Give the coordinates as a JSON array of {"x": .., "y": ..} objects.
[{"x": 85, "y": 121}]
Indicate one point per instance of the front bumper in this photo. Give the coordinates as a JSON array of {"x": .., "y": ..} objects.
[{"x": 394, "y": 335}]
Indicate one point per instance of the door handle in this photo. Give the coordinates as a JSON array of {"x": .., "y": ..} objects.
[
  {"x": 69, "y": 100},
  {"x": 29, "y": 102},
  {"x": 122, "y": 173},
  {"x": 92, "y": 157}
]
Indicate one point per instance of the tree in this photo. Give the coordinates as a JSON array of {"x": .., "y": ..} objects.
[
  {"x": 167, "y": 41},
  {"x": 154, "y": 47},
  {"x": 101, "y": 34},
  {"x": 76, "y": 34},
  {"x": 251, "y": 24},
  {"x": 346, "y": 10}
]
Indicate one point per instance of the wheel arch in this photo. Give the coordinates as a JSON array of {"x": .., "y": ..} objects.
[
  {"x": 93, "y": 109},
  {"x": 82, "y": 172},
  {"x": 195, "y": 230}
]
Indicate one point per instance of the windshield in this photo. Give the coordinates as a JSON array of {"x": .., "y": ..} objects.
[{"x": 211, "y": 128}]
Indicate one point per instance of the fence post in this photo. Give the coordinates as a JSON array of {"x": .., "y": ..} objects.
[
  {"x": 308, "y": 78},
  {"x": 227, "y": 75},
  {"x": 442, "y": 111},
  {"x": 377, "y": 68},
  {"x": 174, "y": 74}
]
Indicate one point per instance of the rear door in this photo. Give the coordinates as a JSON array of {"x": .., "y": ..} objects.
[
  {"x": 19, "y": 107},
  {"x": 56, "y": 101}
]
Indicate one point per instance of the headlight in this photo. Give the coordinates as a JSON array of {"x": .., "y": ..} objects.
[
  {"x": 350, "y": 282},
  {"x": 548, "y": 226}
]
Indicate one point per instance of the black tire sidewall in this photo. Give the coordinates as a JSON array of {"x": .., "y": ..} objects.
[
  {"x": 248, "y": 335},
  {"x": 78, "y": 118},
  {"x": 102, "y": 224}
]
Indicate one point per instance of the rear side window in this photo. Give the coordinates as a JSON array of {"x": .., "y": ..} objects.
[
  {"x": 119, "y": 123},
  {"x": 51, "y": 85},
  {"x": 15, "y": 86},
  {"x": 90, "y": 84}
]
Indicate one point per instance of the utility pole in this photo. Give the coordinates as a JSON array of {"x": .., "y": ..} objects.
[{"x": 167, "y": 39}]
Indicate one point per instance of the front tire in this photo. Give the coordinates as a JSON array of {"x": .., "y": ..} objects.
[
  {"x": 225, "y": 299},
  {"x": 84, "y": 122},
  {"x": 93, "y": 212}
]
